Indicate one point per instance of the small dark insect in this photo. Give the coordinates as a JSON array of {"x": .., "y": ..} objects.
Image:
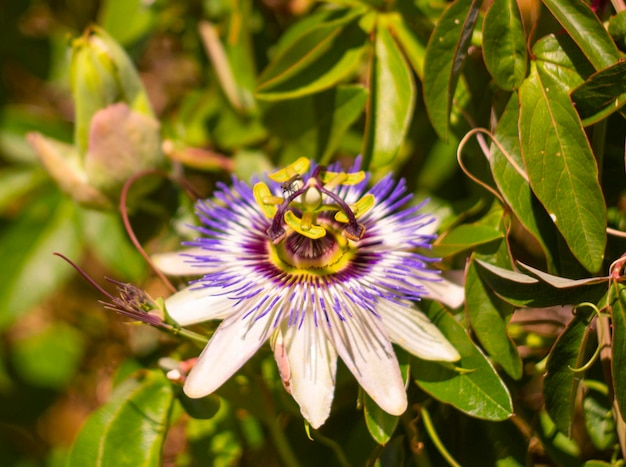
[{"x": 291, "y": 185}]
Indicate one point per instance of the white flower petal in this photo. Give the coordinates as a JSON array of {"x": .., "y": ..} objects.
[
  {"x": 312, "y": 367},
  {"x": 366, "y": 350},
  {"x": 445, "y": 291},
  {"x": 412, "y": 330},
  {"x": 194, "y": 305},
  {"x": 234, "y": 342},
  {"x": 179, "y": 264}
]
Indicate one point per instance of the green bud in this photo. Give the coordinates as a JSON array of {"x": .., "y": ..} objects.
[
  {"x": 102, "y": 74},
  {"x": 116, "y": 134}
]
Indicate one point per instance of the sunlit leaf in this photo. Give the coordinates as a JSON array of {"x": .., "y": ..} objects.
[
  {"x": 561, "y": 381},
  {"x": 445, "y": 53},
  {"x": 130, "y": 428},
  {"x": 584, "y": 26},
  {"x": 391, "y": 101},
  {"x": 315, "y": 61},
  {"x": 126, "y": 20},
  {"x": 598, "y": 415},
  {"x": 601, "y": 95},
  {"x": 474, "y": 387},
  {"x": 504, "y": 44},
  {"x": 562, "y": 170},
  {"x": 313, "y": 125}
]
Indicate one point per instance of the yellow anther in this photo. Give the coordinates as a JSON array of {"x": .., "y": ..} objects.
[
  {"x": 358, "y": 209},
  {"x": 334, "y": 179},
  {"x": 314, "y": 231},
  {"x": 262, "y": 194},
  {"x": 298, "y": 167}
]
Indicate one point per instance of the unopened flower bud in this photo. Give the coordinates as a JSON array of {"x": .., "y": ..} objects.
[{"x": 116, "y": 134}]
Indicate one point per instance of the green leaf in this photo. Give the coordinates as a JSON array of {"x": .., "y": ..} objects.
[
  {"x": 473, "y": 387},
  {"x": 412, "y": 44},
  {"x": 561, "y": 167},
  {"x": 559, "y": 447},
  {"x": 317, "y": 60},
  {"x": 16, "y": 181},
  {"x": 313, "y": 125},
  {"x": 445, "y": 53},
  {"x": 504, "y": 44},
  {"x": 126, "y": 20},
  {"x": 618, "y": 347},
  {"x": 465, "y": 237},
  {"x": 29, "y": 271},
  {"x": 130, "y": 428},
  {"x": 601, "y": 95},
  {"x": 598, "y": 416},
  {"x": 522, "y": 290},
  {"x": 59, "y": 343},
  {"x": 391, "y": 101},
  {"x": 583, "y": 25},
  {"x": 561, "y": 382},
  {"x": 380, "y": 424},
  {"x": 510, "y": 176},
  {"x": 489, "y": 316}
]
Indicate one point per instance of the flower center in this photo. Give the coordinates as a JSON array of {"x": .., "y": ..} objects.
[{"x": 299, "y": 254}]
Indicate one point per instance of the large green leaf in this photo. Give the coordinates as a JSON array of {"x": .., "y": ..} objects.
[
  {"x": 583, "y": 25},
  {"x": 130, "y": 428},
  {"x": 561, "y": 381},
  {"x": 391, "y": 101},
  {"x": 473, "y": 386},
  {"x": 504, "y": 44},
  {"x": 601, "y": 95},
  {"x": 413, "y": 45},
  {"x": 522, "y": 290},
  {"x": 618, "y": 347},
  {"x": 446, "y": 50},
  {"x": 510, "y": 176},
  {"x": 489, "y": 316},
  {"x": 317, "y": 60},
  {"x": 29, "y": 271},
  {"x": 561, "y": 167},
  {"x": 313, "y": 125}
]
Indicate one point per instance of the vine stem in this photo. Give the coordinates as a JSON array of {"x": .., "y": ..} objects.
[{"x": 434, "y": 436}]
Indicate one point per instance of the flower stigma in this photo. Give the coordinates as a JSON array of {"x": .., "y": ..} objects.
[{"x": 322, "y": 226}]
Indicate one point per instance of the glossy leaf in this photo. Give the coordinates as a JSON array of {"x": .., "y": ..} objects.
[
  {"x": 313, "y": 125},
  {"x": 562, "y": 170},
  {"x": 511, "y": 178},
  {"x": 601, "y": 95},
  {"x": 504, "y": 44},
  {"x": 446, "y": 50},
  {"x": 561, "y": 381},
  {"x": 465, "y": 237},
  {"x": 130, "y": 428},
  {"x": 412, "y": 44},
  {"x": 522, "y": 290},
  {"x": 315, "y": 61},
  {"x": 582, "y": 24},
  {"x": 618, "y": 347},
  {"x": 474, "y": 387},
  {"x": 489, "y": 316},
  {"x": 391, "y": 101}
]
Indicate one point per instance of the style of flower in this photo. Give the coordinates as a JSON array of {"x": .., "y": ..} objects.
[{"x": 321, "y": 267}]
